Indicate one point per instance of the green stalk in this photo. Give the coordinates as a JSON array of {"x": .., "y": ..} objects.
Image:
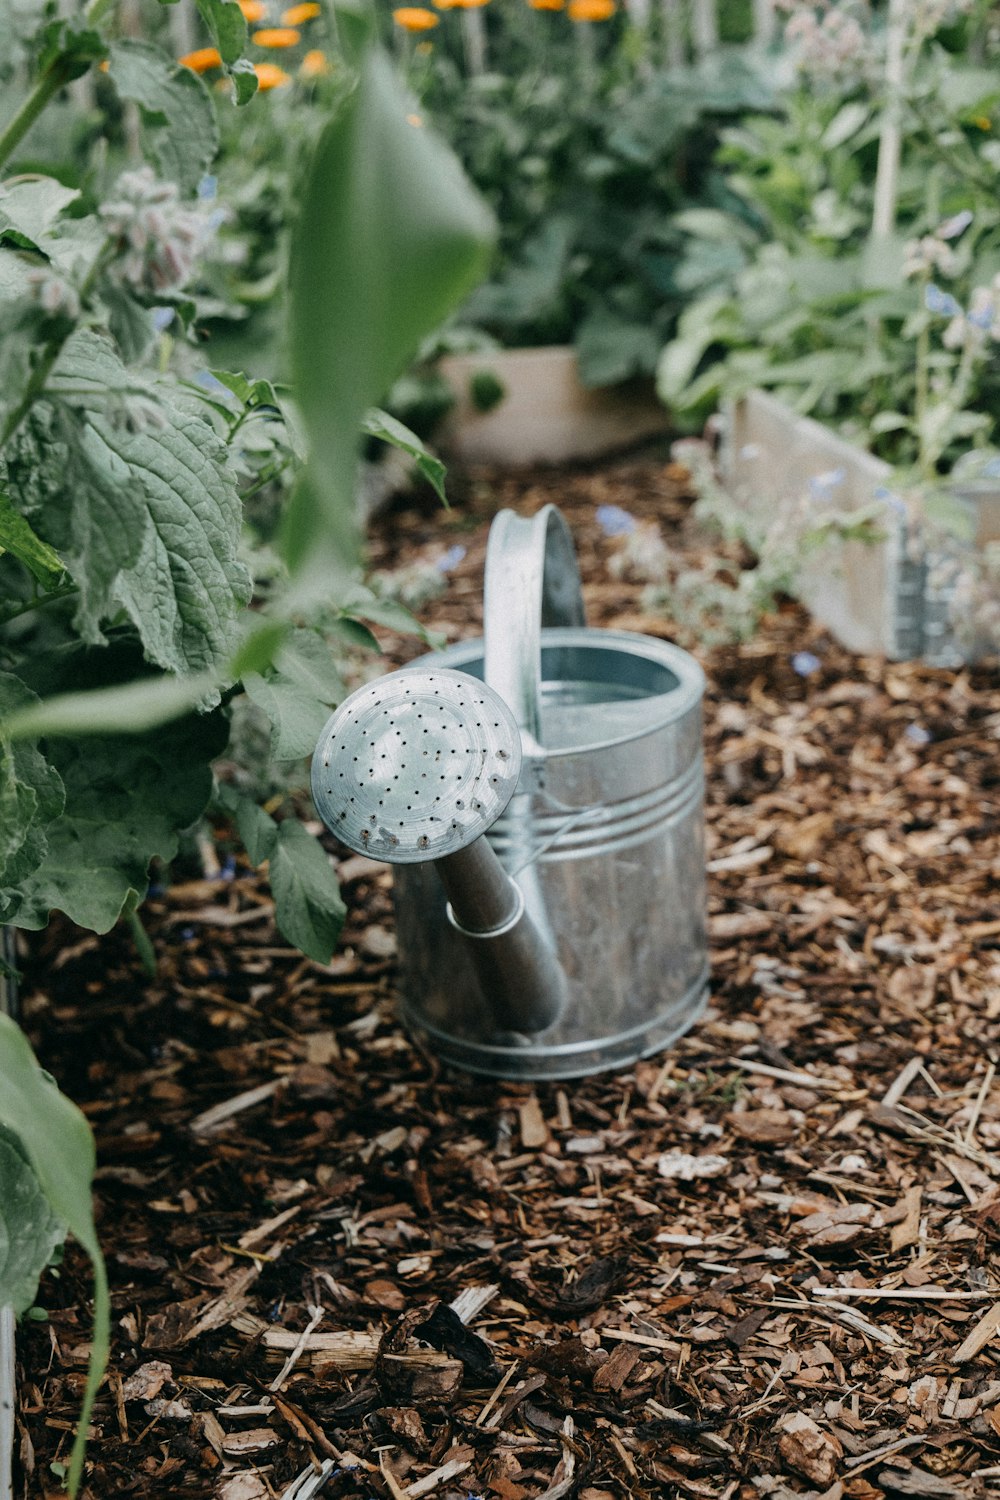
[
  {"x": 55, "y": 77},
  {"x": 143, "y": 945}
]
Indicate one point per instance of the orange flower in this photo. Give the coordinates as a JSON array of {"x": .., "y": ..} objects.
[
  {"x": 469, "y": 4},
  {"x": 546, "y": 4},
  {"x": 253, "y": 10},
  {"x": 270, "y": 76},
  {"x": 296, "y": 15},
  {"x": 314, "y": 64},
  {"x": 277, "y": 36},
  {"x": 202, "y": 61},
  {"x": 415, "y": 18},
  {"x": 591, "y": 10}
]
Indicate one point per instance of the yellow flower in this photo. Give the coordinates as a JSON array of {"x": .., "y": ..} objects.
[
  {"x": 415, "y": 18},
  {"x": 591, "y": 10},
  {"x": 277, "y": 36},
  {"x": 202, "y": 61},
  {"x": 546, "y": 4},
  {"x": 253, "y": 10},
  {"x": 270, "y": 76},
  {"x": 297, "y": 15},
  {"x": 983, "y": 122},
  {"x": 314, "y": 64}
]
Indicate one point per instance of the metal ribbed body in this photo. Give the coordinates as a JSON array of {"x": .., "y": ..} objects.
[{"x": 604, "y": 835}]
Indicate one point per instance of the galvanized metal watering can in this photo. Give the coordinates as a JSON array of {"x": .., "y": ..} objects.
[{"x": 540, "y": 796}]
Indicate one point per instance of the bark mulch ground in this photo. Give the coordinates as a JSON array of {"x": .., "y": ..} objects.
[{"x": 763, "y": 1263}]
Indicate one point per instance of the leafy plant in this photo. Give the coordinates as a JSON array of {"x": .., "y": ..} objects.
[{"x": 132, "y": 616}]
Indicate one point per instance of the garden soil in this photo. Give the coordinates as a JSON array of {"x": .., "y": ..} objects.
[{"x": 765, "y": 1262}]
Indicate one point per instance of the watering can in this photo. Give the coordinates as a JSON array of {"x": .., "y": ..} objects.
[{"x": 539, "y": 794}]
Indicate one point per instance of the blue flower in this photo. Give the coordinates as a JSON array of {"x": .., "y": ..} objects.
[
  {"x": 208, "y": 382},
  {"x": 208, "y": 187},
  {"x": 981, "y": 317},
  {"x": 917, "y": 734},
  {"x": 450, "y": 559},
  {"x": 805, "y": 664},
  {"x": 953, "y": 227},
  {"x": 162, "y": 318},
  {"x": 614, "y": 521},
  {"x": 937, "y": 301},
  {"x": 822, "y": 486}
]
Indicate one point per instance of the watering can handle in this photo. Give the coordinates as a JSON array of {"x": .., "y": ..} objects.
[{"x": 532, "y": 579}]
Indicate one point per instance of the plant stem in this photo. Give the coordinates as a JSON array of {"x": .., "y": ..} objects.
[
  {"x": 25, "y": 609},
  {"x": 51, "y": 81},
  {"x": 144, "y": 948}
]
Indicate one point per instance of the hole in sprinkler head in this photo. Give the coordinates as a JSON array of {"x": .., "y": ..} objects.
[{"x": 423, "y": 841}]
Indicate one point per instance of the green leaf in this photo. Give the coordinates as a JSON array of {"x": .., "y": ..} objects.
[
  {"x": 31, "y": 797},
  {"x": 225, "y": 21},
  {"x": 127, "y": 797},
  {"x": 296, "y": 717},
  {"x": 73, "y": 47},
  {"x": 57, "y": 1142},
  {"x": 380, "y": 424},
  {"x": 610, "y": 349},
  {"x": 29, "y": 1230},
  {"x": 307, "y": 904},
  {"x": 148, "y": 520},
  {"x": 176, "y": 107},
  {"x": 17, "y": 538},
  {"x": 298, "y": 695},
  {"x": 256, "y": 828},
  {"x": 390, "y": 237},
  {"x": 243, "y": 78},
  {"x": 29, "y": 209},
  {"x": 132, "y": 708}
]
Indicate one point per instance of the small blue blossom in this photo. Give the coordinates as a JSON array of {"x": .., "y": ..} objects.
[
  {"x": 614, "y": 521},
  {"x": 917, "y": 734},
  {"x": 953, "y": 227},
  {"x": 450, "y": 559},
  {"x": 891, "y": 499},
  {"x": 162, "y": 318},
  {"x": 981, "y": 317},
  {"x": 937, "y": 301},
  {"x": 208, "y": 187},
  {"x": 187, "y": 934},
  {"x": 227, "y": 870},
  {"x": 805, "y": 663},
  {"x": 208, "y": 382},
  {"x": 822, "y": 486}
]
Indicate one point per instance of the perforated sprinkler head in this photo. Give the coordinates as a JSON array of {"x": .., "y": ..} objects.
[{"x": 416, "y": 765}]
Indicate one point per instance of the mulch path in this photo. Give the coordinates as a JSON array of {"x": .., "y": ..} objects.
[{"x": 763, "y": 1263}]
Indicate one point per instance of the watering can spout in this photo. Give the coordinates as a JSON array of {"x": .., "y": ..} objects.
[{"x": 414, "y": 769}]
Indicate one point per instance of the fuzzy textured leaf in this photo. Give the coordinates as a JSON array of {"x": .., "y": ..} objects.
[
  {"x": 17, "y": 538},
  {"x": 147, "y": 519},
  {"x": 31, "y": 798},
  {"x": 126, "y": 798},
  {"x": 29, "y": 1230},
  {"x": 176, "y": 107}
]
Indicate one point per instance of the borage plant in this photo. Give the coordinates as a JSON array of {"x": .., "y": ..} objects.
[{"x": 129, "y": 621}]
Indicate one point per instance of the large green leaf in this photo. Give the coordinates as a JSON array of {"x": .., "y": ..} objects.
[
  {"x": 136, "y": 491},
  {"x": 389, "y": 238},
  {"x": 127, "y": 796},
  {"x": 31, "y": 797},
  {"x": 389, "y": 429},
  {"x": 29, "y": 1230},
  {"x": 176, "y": 108},
  {"x": 57, "y": 1141}
]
